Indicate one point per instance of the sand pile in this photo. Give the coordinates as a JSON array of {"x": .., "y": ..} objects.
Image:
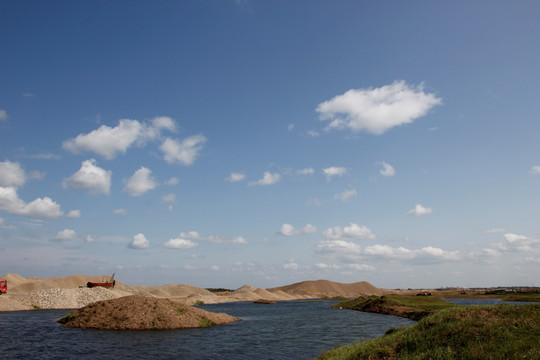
[
  {"x": 70, "y": 292},
  {"x": 326, "y": 288},
  {"x": 65, "y": 298},
  {"x": 143, "y": 313}
]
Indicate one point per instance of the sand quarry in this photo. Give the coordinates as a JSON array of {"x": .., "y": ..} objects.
[{"x": 71, "y": 292}]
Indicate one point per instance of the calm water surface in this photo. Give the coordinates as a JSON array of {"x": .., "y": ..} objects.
[{"x": 286, "y": 330}]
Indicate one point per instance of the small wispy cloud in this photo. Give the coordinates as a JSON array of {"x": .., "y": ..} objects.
[{"x": 419, "y": 211}]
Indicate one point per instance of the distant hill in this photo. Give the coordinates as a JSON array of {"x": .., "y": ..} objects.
[{"x": 326, "y": 288}]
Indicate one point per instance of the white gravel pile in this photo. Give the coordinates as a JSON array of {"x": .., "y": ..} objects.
[{"x": 67, "y": 298}]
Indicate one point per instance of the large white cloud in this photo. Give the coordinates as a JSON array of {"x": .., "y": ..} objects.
[
  {"x": 109, "y": 142},
  {"x": 140, "y": 182},
  {"x": 40, "y": 208},
  {"x": 377, "y": 110},
  {"x": 353, "y": 231},
  {"x": 11, "y": 174},
  {"x": 182, "y": 152},
  {"x": 106, "y": 141},
  {"x": 139, "y": 242},
  {"x": 350, "y": 252},
  {"x": 90, "y": 177},
  {"x": 267, "y": 179},
  {"x": 3, "y": 115}
]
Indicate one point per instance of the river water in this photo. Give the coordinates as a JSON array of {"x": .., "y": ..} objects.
[{"x": 286, "y": 330}]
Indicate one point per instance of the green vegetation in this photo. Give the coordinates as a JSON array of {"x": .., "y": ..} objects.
[
  {"x": 36, "y": 307},
  {"x": 203, "y": 323},
  {"x": 412, "y": 307},
  {"x": 459, "y": 332},
  {"x": 69, "y": 317},
  {"x": 198, "y": 302}
]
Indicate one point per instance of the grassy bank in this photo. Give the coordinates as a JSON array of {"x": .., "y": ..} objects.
[
  {"x": 453, "y": 332},
  {"x": 464, "y": 332},
  {"x": 412, "y": 307}
]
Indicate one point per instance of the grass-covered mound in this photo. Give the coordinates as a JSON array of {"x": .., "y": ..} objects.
[
  {"x": 412, "y": 307},
  {"x": 460, "y": 332},
  {"x": 142, "y": 313}
]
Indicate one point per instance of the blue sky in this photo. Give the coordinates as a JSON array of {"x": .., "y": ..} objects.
[{"x": 223, "y": 143}]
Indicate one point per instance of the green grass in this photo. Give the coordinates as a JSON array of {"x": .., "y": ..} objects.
[
  {"x": 458, "y": 332},
  {"x": 69, "y": 317},
  {"x": 203, "y": 323},
  {"x": 412, "y": 307}
]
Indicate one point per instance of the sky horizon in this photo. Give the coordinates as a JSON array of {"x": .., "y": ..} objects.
[{"x": 224, "y": 143}]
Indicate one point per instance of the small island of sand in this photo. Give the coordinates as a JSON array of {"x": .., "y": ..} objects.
[{"x": 142, "y": 313}]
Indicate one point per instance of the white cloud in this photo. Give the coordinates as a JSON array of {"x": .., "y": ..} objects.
[
  {"x": 140, "y": 182},
  {"x": 306, "y": 171},
  {"x": 234, "y": 177},
  {"x": 291, "y": 265},
  {"x": 361, "y": 267},
  {"x": 110, "y": 141},
  {"x": 74, "y": 214},
  {"x": 239, "y": 240},
  {"x": 139, "y": 242},
  {"x": 169, "y": 198},
  {"x": 40, "y": 208},
  {"x": 214, "y": 268},
  {"x": 179, "y": 243},
  {"x": 377, "y": 110},
  {"x": 184, "y": 152},
  {"x": 90, "y": 177},
  {"x": 120, "y": 211},
  {"x": 158, "y": 124},
  {"x": 514, "y": 238},
  {"x": 346, "y": 195},
  {"x": 267, "y": 179},
  {"x": 313, "y": 133},
  {"x": 290, "y": 127},
  {"x": 11, "y": 174},
  {"x": 387, "y": 169},
  {"x": 65, "y": 235},
  {"x": 419, "y": 211},
  {"x": 334, "y": 171},
  {"x": 106, "y": 141},
  {"x": 353, "y": 231},
  {"x": 3, "y": 115},
  {"x": 351, "y": 252},
  {"x": 172, "y": 181},
  {"x": 89, "y": 239},
  {"x": 289, "y": 230},
  {"x": 535, "y": 169},
  {"x": 194, "y": 235}
]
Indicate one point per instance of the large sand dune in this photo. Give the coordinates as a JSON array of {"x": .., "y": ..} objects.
[{"x": 71, "y": 292}]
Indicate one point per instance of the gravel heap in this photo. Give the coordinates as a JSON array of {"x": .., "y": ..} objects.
[
  {"x": 66, "y": 298},
  {"x": 142, "y": 313}
]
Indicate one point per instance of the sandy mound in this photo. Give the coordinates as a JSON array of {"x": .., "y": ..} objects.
[
  {"x": 143, "y": 313},
  {"x": 18, "y": 284},
  {"x": 182, "y": 290},
  {"x": 326, "y": 288}
]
